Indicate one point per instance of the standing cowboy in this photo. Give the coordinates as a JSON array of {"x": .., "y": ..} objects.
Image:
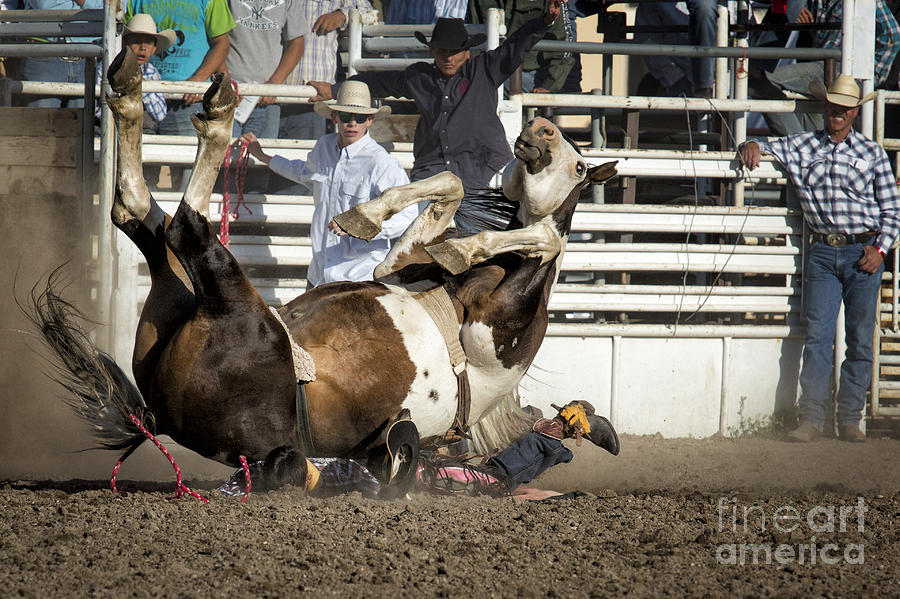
[
  {"x": 344, "y": 169},
  {"x": 456, "y": 96},
  {"x": 849, "y": 198}
]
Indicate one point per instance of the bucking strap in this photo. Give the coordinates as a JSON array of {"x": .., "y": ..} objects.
[{"x": 440, "y": 307}]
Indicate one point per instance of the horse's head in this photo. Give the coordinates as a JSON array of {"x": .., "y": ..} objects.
[{"x": 547, "y": 169}]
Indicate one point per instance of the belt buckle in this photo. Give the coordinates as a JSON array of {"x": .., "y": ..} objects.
[{"x": 836, "y": 239}]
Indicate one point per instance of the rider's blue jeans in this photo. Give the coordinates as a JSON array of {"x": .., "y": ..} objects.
[
  {"x": 832, "y": 275},
  {"x": 796, "y": 77},
  {"x": 525, "y": 459}
]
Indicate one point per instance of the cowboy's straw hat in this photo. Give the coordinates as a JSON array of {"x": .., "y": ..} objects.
[
  {"x": 451, "y": 34},
  {"x": 353, "y": 96},
  {"x": 142, "y": 23},
  {"x": 843, "y": 91}
]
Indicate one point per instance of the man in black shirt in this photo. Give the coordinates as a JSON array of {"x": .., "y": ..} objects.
[{"x": 456, "y": 96}]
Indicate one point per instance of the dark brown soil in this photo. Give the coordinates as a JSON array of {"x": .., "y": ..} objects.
[{"x": 656, "y": 521}]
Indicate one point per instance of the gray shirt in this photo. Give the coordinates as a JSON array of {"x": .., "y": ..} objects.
[{"x": 263, "y": 27}]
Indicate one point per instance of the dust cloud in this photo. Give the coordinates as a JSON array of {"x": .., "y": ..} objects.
[{"x": 40, "y": 436}]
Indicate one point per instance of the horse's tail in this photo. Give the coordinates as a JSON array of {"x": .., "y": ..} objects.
[{"x": 101, "y": 392}]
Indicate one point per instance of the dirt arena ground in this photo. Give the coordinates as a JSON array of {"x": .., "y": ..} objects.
[{"x": 666, "y": 518}]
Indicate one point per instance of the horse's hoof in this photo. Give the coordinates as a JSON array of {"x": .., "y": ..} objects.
[
  {"x": 449, "y": 257},
  {"x": 357, "y": 224},
  {"x": 219, "y": 99},
  {"x": 124, "y": 73}
]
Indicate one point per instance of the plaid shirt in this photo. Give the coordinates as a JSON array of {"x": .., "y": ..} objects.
[
  {"x": 154, "y": 103},
  {"x": 845, "y": 187},
  {"x": 319, "y": 62},
  {"x": 424, "y": 12},
  {"x": 887, "y": 33}
]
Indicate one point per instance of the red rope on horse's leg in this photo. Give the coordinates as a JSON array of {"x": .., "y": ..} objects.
[
  {"x": 246, "y": 477},
  {"x": 180, "y": 488},
  {"x": 115, "y": 472}
]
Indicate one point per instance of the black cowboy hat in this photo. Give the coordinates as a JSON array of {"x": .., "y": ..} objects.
[{"x": 451, "y": 34}]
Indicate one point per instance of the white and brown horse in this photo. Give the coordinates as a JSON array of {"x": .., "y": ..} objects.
[{"x": 213, "y": 364}]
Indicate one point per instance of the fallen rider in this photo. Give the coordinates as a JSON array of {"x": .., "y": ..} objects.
[{"x": 500, "y": 475}]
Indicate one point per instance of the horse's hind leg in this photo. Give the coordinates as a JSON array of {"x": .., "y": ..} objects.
[
  {"x": 213, "y": 127},
  {"x": 444, "y": 191},
  {"x": 133, "y": 204}
]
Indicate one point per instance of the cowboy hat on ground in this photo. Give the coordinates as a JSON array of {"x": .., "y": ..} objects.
[
  {"x": 843, "y": 91},
  {"x": 353, "y": 96},
  {"x": 143, "y": 24},
  {"x": 451, "y": 34}
]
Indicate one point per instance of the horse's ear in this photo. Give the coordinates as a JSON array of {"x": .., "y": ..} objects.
[{"x": 603, "y": 172}]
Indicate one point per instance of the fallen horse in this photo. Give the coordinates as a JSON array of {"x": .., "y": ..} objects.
[{"x": 214, "y": 366}]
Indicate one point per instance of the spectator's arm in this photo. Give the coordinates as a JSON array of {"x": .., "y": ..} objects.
[
  {"x": 213, "y": 61},
  {"x": 291, "y": 54},
  {"x": 888, "y": 198},
  {"x": 346, "y": 6},
  {"x": 330, "y": 21},
  {"x": 887, "y": 41},
  {"x": 385, "y": 83},
  {"x": 751, "y": 150},
  {"x": 502, "y": 61}
]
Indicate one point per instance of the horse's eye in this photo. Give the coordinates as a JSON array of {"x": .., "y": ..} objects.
[{"x": 579, "y": 168}]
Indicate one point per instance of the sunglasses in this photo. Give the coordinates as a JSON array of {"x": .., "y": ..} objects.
[{"x": 346, "y": 117}]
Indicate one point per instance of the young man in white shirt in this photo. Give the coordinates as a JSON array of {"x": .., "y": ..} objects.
[{"x": 344, "y": 169}]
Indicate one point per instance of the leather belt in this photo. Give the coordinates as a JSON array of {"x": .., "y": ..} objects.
[{"x": 841, "y": 239}]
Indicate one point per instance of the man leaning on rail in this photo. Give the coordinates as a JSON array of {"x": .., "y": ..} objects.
[{"x": 849, "y": 198}]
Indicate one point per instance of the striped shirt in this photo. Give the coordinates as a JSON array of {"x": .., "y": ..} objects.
[
  {"x": 319, "y": 62},
  {"x": 154, "y": 102},
  {"x": 887, "y": 33},
  {"x": 844, "y": 187},
  {"x": 424, "y": 12}
]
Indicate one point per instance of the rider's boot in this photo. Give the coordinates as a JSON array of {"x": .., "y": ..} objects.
[{"x": 576, "y": 420}]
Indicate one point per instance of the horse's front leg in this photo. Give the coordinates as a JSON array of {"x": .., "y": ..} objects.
[
  {"x": 458, "y": 255},
  {"x": 444, "y": 191}
]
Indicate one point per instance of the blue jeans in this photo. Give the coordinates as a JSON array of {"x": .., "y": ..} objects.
[
  {"x": 832, "y": 275},
  {"x": 702, "y": 30},
  {"x": 263, "y": 122},
  {"x": 55, "y": 69},
  {"x": 796, "y": 77},
  {"x": 178, "y": 122},
  {"x": 525, "y": 459},
  {"x": 301, "y": 122}
]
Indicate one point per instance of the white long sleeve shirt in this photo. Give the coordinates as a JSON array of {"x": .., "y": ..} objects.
[{"x": 340, "y": 179}]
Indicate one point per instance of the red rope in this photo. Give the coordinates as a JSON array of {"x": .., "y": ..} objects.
[
  {"x": 241, "y": 162},
  {"x": 112, "y": 482},
  {"x": 246, "y": 477},
  {"x": 180, "y": 487},
  {"x": 741, "y": 72}
]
